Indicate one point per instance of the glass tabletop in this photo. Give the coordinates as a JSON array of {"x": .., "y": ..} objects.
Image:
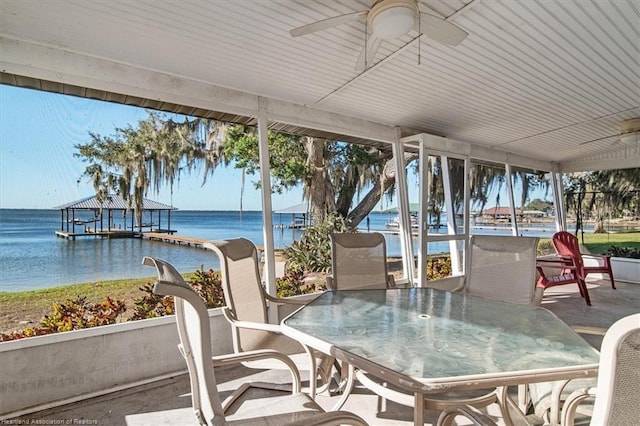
[{"x": 436, "y": 336}]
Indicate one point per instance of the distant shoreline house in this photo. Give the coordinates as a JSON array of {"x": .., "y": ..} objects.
[
  {"x": 500, "y": 214},
  {"x": 503, "y": 214},
  {"x": 112, "y": 218}
]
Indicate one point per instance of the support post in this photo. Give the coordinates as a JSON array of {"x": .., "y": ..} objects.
[
  {"x": 452, "y": 227},
  {"x": 558, "y": 201},
  {"x": 267, "y": 208},
  {"x": 402, "y": 193},
  {"x": 424, "y": 212},
  {"x": 512, "y": 204}
]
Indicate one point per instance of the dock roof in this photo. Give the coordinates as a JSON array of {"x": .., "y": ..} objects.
[
  {"x": 114, "y": 202},
  {"x": 301, "y": 208}
]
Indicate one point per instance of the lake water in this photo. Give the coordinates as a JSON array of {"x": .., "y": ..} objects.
[{"x": 31, "y": 256}]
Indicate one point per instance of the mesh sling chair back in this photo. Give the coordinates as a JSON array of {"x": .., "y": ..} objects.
[
  {"x": 617, "y": 392},
  {"x": 252, "y": 403},
  {"x": 246, "y": 310},
  {"x": 359, "y": 261},
  {"x": 503, "y": 268}
]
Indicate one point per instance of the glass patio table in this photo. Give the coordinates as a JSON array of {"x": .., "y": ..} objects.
[{"x": 427, "y": 341}]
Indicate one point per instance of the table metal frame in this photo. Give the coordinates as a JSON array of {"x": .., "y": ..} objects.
[{"x": 450, "y": 341}]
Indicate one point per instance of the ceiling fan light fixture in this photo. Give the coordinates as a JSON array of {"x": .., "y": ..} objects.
[
  {"x": 630, "y": 131},
  {"x": 391, "y": 19}
]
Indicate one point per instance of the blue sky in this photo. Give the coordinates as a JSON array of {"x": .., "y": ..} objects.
[{"x": 38, "y": 131}]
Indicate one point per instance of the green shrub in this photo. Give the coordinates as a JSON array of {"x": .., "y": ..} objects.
[
  {"x": 312, "y": 253},
  {"x": 291, "y": 284},
  {"x": 294, "y": 284},
  {"x": 73, "y": 314},
  {"x": 628, "y": 252},
  {"x": 151, "y": 305},
  {"x": 208, "y": 285},
  {"x": 545, "y": 247},
  {"x": 438, "y": 267},
  {"x": 76, "y": 314}
]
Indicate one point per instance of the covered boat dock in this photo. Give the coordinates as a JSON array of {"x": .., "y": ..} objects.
[{"x": 112, "y": 218}]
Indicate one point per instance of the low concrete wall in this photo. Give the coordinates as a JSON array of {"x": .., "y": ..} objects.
[
  {"x": 45, "y": 371},
  {"x": 625, "y": 269}
]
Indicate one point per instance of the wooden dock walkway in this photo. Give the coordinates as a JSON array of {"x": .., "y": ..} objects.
[
  {"x": 163, "y": 237},
  {"x": 179, "y": 239},
  {"x": 174, "y": 239}
]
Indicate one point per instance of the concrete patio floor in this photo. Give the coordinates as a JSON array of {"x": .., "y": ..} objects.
[{"x": 168, "y": 402}]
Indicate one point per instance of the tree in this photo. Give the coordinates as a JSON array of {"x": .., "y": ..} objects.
[
  {"x": 159, "y": 149},
  {"x": 337, "y": 177},
  {"x": 155, "y": 153},
  {"x": 333, "y": 173},
  {"x": 593, "y": 193},
  {"x": 540, "y": 205}
]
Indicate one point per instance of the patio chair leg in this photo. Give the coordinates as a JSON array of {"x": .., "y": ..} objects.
[
  {"x": 613, "y": 284},
  {"x": 584, "y": 292}
]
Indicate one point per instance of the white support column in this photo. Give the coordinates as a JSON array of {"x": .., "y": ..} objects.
[
  {"x": 423, "y": 199},
  {"x": 512, "y": 203},
  {"x": 467, "y": 216},
  {"x": 558, "y": 201},
  {"x": 402, "y": 194},
  {"x": 452, "y": 228},
  {"x": 267, "y": 209}
]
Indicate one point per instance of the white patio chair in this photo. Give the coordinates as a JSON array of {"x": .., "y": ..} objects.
[
  {"x": 247, "y": 312},
  {"x": 499, "y": 268},
  {"x": 359, "y": 261},
  {"x": 252, "y": 403},
  {"x": 502, "y": 268},
  {"x": 616, "y": 394},
  {"x": 617, "y": 391}
]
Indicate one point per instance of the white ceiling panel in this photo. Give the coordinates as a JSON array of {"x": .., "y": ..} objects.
[{"x": 547, "y": 79}]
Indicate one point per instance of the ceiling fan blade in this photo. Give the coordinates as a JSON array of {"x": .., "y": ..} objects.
[
  {"x": 440, "y": 30},
  {"x": 601, "y": 139},
  {"x": 373, "y": 44},
  {"x": 327, "y": 23}
]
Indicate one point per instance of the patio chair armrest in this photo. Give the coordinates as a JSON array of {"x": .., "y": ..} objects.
[
  {"x": 573, "y": 401},
  {"x": 596, "y": 256},
  {"x": 240, "y": 357},
  {"x": 273, "y": 328},
  {"x": 460, "y": 288},
  {"x": 476, "y": 416},
  {"x": 603, "y": 260},
  {"x": 584, "y": 329},
  {"x": 330, "y": 282},
  {"x": 555, "y": 261},
  {"x": 391, "y": 281},
  {"x": 283, "y": 301},
  {"x": 336, "y": 418}
]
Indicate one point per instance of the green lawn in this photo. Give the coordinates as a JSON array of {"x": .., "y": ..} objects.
[
  {"x": 93, "y": 291},
  {"x": 600, "y": 243},
  {"x": 32, "y": 305}
]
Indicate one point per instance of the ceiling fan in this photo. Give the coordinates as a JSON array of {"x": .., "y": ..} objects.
[
  {"x": 388, "y": 20},
  {"x": 629, "y": 133}
]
